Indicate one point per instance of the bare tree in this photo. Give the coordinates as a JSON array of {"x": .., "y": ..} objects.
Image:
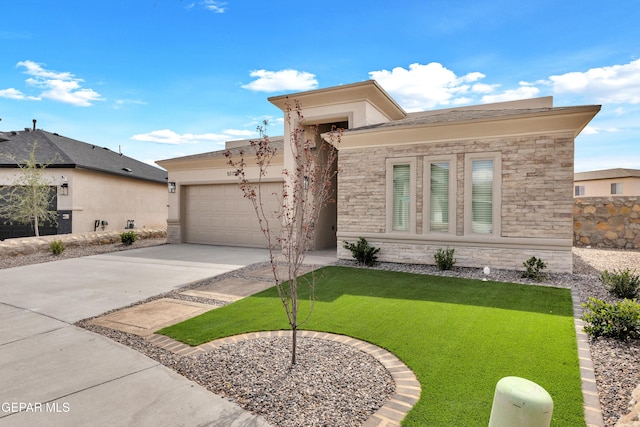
[
  {"x": 28, "y": 199},
  {"x": 308, "y": 186}
]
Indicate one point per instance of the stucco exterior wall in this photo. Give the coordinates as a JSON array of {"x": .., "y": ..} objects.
[
  {"x": 607, "y": 222},
  {"x": 93, "y": 195},
  {"x": 535, "y": 191},
  {"x": 602, "y": 187},
  {"x": 97, "y": 196}
]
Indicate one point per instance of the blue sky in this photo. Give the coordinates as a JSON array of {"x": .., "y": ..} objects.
[{"x": 159, "y": 79}]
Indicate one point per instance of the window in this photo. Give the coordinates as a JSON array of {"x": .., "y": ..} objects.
[
  {"x": 401, "y": 194},
  {"x": 616, "y": 188},
  {"x": 579, "y": 190},
  {"x": 439, "y": 198},
  {"x": 482, "y": 193},
  {"x": 482, "y": 196},
  {"x": 439, "y": 194},
  {"x": 401, "y": 197}
]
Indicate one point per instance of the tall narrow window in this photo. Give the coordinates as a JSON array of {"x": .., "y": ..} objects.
[
  {"x": 401, "y": 197},
  {"x": 482, "y": 196},
  {"x": 439, "y": 197}
]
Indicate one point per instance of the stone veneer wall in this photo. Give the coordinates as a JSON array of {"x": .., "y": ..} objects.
[
  {"x": 467, "y": 256},
  {"x": 607, "y": 222},
  {"x": 30, "y": 245},
  {"x": 174, "y": 235},
  {"x": 536, "y": 193}
]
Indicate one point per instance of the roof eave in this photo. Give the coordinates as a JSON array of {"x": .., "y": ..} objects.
[
  {"x": 368, "y": 90},
  {"x": 557, "y": 120}
]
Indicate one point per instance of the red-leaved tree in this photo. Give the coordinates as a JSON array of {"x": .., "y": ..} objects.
[{"x": 308, "y": 186}]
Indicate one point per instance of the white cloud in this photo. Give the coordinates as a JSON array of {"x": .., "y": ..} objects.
[
  {"x": 525, "y": 91},
  {"x": 593, "y": 130},
  {"x": 215, "y": 6},
  {"x": 124, "y": 102},
  {"x": 274, "y": 81},
  {"x": 615, "y": 84},
  {"x": 57, "y": 86},
  {"x": 13, "y": 93},
  {"x": 167, "y": 136},
  {"x": 237, "y": 132},
  {"x": 483, "y": 88},
  {"x": 426, "y": 86}
]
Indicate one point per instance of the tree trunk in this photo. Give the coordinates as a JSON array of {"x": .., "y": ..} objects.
[
  {"x": 35, "y": 217},
  {"x": 294, "y": 343}
]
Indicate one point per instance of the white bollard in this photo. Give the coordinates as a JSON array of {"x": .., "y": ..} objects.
[{"x": 519, "y": 402}]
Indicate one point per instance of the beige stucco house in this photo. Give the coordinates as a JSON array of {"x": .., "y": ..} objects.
[
  {"x": 607, "y": 183},
  {"x": 493, "y": 181},
  {"x": 93, "y": 188}
]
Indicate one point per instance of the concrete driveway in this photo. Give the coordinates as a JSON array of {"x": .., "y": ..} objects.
[{"x": 55, "y": 374}]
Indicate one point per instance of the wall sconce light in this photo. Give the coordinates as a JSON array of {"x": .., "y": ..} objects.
[
  {"x": 172, "y": 187},
  {"x": 64, "y": 189}
]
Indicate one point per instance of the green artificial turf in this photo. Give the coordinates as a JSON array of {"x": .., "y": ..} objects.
[{"x": 459, "y": 336}]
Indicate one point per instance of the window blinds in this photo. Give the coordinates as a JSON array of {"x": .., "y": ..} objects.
[
  {"x": 482, "y": 196},
  {"x": 439, "y": 197},
  {"x": 401, "y": 197}
]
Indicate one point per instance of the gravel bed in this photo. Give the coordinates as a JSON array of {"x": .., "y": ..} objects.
[
  {"x": 256, "y": 374},
  {"x": 332, "y": 384}
]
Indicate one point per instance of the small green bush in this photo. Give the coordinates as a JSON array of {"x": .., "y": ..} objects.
[
  {"x": 128, "y": 237},
  {"x": 57, "y": 247},
  {"x": 362, "y": 252},
  {"x": 533, "y": 268},
  {"x": 620, "y": 320},
  {"x": 622, "y": 283},
  {"x": 444, "y": 258}
]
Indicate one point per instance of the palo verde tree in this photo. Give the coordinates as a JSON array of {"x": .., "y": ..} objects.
[
  {"x": 28, "y": 199},
  {"x": 308, "y": 186}
]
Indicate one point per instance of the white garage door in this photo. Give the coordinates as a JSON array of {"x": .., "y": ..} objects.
[{"x": 220, "y": 215}]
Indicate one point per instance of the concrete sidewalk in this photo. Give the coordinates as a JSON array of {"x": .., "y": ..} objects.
[{"x": 55, "y": 374}]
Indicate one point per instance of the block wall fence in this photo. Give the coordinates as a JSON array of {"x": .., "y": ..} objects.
[{"x": 607, "y": 222}]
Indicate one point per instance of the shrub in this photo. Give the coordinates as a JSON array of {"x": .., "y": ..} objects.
[
  {"x": 128, "y": 237},
  {"x": 622, "y": 283},
  {"x": 620, "y": 320},
  {"x": 533, "y": 268},
  {"x": 444, "y": 258},
  {"x": 57, "y": 247},
  {"x": 362, "y": 252}
]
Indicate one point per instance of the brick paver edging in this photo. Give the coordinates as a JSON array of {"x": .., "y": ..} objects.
[
  {"x": 591, "y": 399},
  {"x": 390, "y": 414}
]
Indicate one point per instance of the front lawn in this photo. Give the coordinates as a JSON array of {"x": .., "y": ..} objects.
[{"x": 459, "y": 336}]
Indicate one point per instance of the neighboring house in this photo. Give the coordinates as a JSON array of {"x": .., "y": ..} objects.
[
  {"x": 492, "y": 181},
  {"x": 607, "y": 183},
  {"x": 94, "y": 188}
]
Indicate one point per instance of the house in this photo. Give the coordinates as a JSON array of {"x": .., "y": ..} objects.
[
  {"x": 607, "y": 183},
  {"x": 493, "y": 181},
  {"x": 93, "y": 188}
]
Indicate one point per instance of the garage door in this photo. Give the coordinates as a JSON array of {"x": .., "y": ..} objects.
[{"x": 220, "y": 215}]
